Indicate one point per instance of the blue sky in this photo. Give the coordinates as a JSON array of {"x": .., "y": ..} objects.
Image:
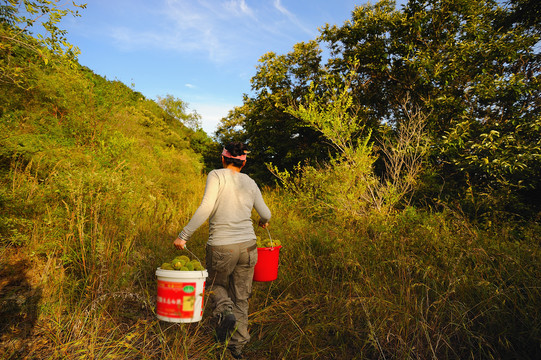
[{"x": 201, "y": 51}]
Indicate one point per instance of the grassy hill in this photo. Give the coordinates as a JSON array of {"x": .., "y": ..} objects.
[{"x": 94, "y": 178}]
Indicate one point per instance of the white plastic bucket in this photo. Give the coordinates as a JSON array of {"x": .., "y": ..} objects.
[{"x": 180, "y": 295}]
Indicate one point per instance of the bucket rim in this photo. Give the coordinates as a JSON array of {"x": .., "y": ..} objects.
[
  {"x": 270, "y": 248},
  {"x": 182, "y": 274}
]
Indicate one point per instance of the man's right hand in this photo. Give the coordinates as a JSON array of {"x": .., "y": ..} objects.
[{"x": 179, "y": 243}]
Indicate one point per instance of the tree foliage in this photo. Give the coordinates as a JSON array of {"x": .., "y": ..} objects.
[
  {"x": 178, "y": 109},
  {"x": 17, "y": 20},
  {"x": 275, "y": 135},
  {"x": 347, "y": 186},
  {"x": 477, "y": 81},
  {"x": 474, "y": 79},
  {"x": 523, "y": 12},
  {"x": 200, "y": 142}
]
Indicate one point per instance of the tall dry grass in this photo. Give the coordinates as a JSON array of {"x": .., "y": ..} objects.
[{"x": 414, "y": 285}]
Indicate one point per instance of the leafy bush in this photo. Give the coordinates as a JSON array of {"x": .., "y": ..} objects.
[{"x": 346, "y": 186}]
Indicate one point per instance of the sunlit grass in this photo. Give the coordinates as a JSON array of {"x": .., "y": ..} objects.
[{"x": 413, "y": 285}]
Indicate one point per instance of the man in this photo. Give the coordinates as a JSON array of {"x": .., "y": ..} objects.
[{"x": 231, "y": 252}]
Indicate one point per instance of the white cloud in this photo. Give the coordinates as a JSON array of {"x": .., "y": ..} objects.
[
  {"x": 220, "y": 30},
  {"x": 190, "y": 86},
  {"x": 292, "y": 18},
  {"x": 239, "y": 7},
  {"x": 283, "y": 10}
]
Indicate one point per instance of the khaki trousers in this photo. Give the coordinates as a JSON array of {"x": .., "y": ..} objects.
[{"x": 229, "y": 285}]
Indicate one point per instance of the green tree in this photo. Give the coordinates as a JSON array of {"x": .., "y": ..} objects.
[
  {"x": 477, "y": 83},
  {"x": 525, "y": 13},
  {"x": 474, "y": 80},
  {"x": 273, "y": 134},
  {"x": 17, "y": 20},
  {"x": 200, "y": 142},
  {"x": 347, "y": 185},
  {"x": 178, "y": 109}
]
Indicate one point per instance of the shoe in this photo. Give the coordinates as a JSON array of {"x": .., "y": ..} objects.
[
  {"x": 226, "y": 325},
  {"x": 237, "y": 353}
]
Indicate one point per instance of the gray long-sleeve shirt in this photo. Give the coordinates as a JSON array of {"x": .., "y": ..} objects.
[{"x": 227, "y": 203}]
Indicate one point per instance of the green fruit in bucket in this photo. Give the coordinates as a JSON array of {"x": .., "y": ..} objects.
[
  {"x": 189, "y": 266},
  {"x": 166, "y": 266},
  {"x": 267, "y": 243},
  {"x": 178, "y": 259},
  {"x": 177, "y": 264},
  {"x": 184, "y": 268},
  {"x": 183, "y": 258}
]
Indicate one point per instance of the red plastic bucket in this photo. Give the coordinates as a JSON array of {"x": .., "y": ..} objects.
[
  {"x": 266, "y": 268},
  {"x": 180, "y": 295}
]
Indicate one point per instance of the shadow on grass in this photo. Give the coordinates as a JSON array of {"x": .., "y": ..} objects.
[{"x": 19, "y": 302}]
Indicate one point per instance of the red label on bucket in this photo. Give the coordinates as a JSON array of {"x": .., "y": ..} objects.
[{"x": 176, "y": 300}]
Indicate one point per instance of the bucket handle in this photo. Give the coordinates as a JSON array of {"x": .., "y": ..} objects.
[
  {"x": 272, "y": 242},
  {"x": 191, "y": 253}
]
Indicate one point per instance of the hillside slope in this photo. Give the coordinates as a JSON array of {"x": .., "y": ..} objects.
[{"x": 92, "y": 176}]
